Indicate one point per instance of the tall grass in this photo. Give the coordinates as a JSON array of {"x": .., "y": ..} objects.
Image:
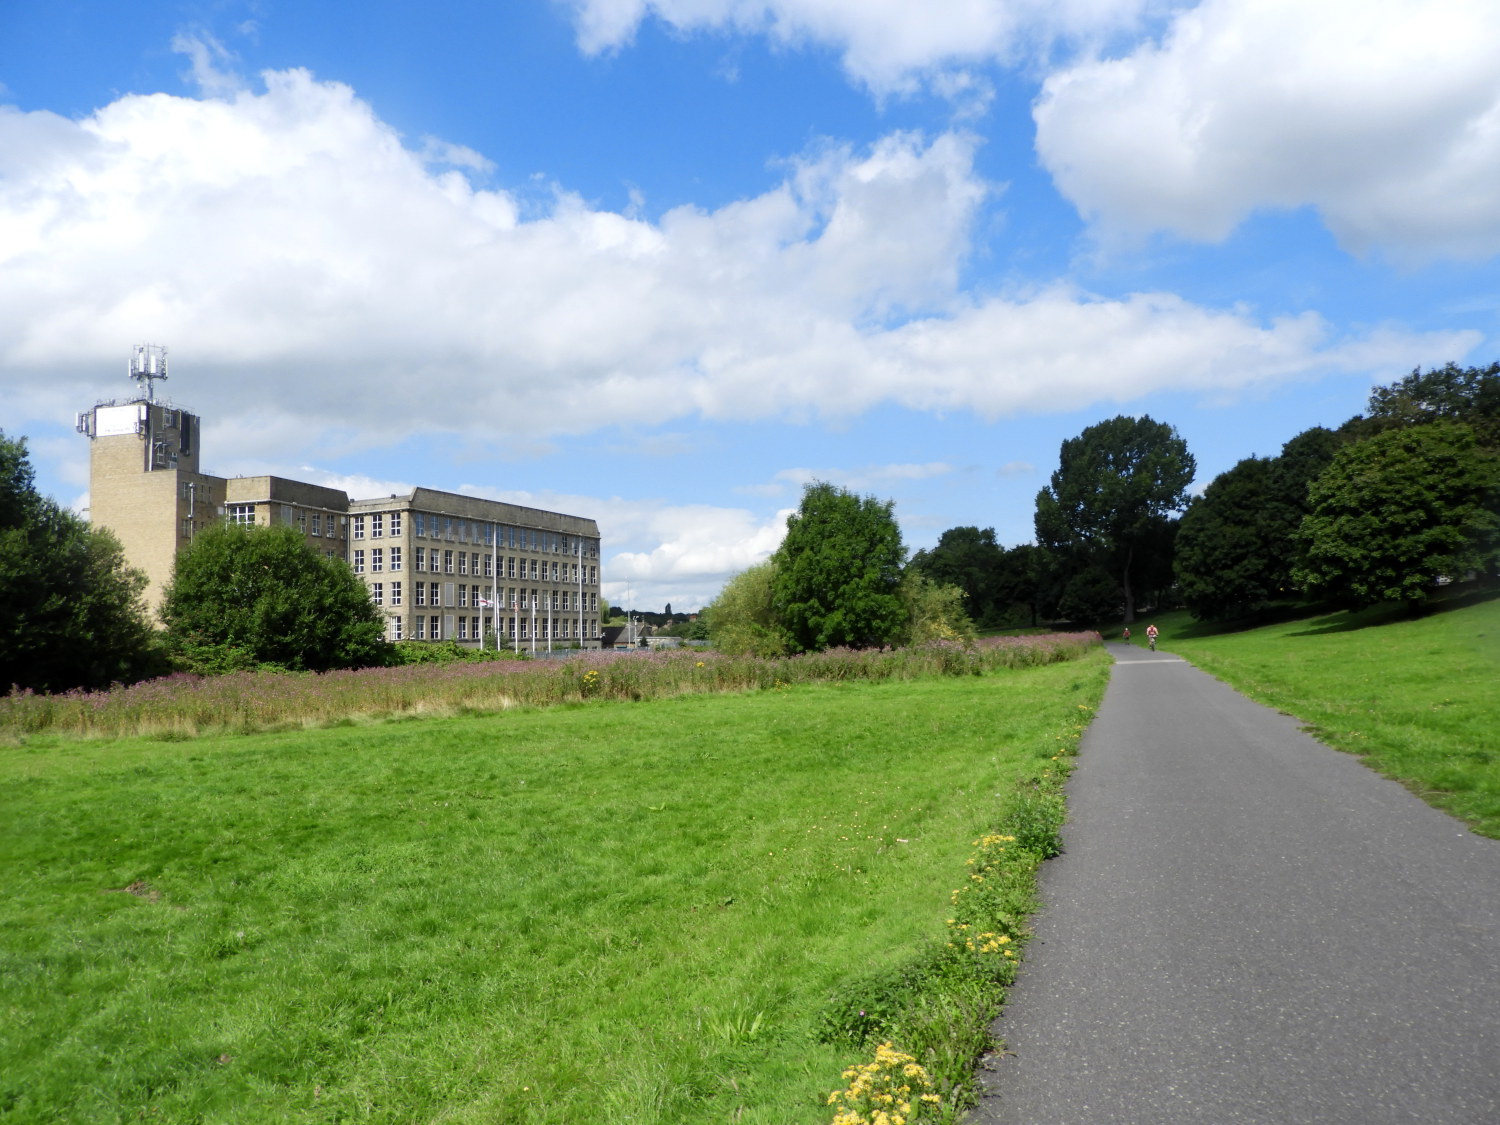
[
  {"x": 559, "y": 915},
  {"x": 183, "y": 706}
]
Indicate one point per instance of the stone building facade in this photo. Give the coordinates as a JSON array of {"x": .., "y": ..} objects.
[{"x": 440, "y": 565}]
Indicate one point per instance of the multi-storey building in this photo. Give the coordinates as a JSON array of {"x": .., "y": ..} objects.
[{"x": 441, "y": 566}]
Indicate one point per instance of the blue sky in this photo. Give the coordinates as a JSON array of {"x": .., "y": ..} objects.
[{"x": 661, "y": 262}]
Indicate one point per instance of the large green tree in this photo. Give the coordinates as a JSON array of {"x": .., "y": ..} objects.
[
  {"x": 972, "y": 560},
  {"x": 1110, "y": 502},
  {"x": 1468, "y": 395},
  {"x": 71, "y": 611},
  {"x": 263, "y": 595},
  {"x": 1235, "y": 548},
  {"x": 1394, "y": 514},
  {"x": 838, "y": 572}
]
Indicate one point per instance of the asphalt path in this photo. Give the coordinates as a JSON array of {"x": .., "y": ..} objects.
[{"x": 1247, "y": 926}]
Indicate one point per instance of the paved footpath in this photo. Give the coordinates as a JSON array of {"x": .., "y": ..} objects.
[{"x": 1247, "y": 926}]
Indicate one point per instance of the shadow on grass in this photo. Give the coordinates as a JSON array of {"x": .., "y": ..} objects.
[
  {"x": 1388, "y": 613},
  {"x": 1321, "y": 618}
]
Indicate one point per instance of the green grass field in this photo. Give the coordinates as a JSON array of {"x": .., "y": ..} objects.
[
  {"x": 592, "y": 913},
  {"x": 1417, "y": 698}
]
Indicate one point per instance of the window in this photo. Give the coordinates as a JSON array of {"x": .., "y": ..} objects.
[
  {"x": 463, "y": 597},
  {"x": 489, "y": 535},
  {"x": 317, "y": 523},
  {"x": 554, "y": 572},
  {"x": 377, "y": 593},
  {"x": 435, "y": 627},
  {"x": 533, "y": 569},
  {"x": 377, "y": 559},
  {"x": 448, "y": 623},
  {"x": 359, "y": 562},
  {"x": 418, "y": 524},
  {"x": 395, "y": 593},
  {"x": 448, "y": 528},
  {"x": 474, "y": 628},
  {"x": 434, "y": 597},
  {"x": 240, "y": 513},
  {"x": 474, "y": 596},
  {"x": 419, "y": 590},
  {"x": 463, "y": 562},
  {"x": 420, "y": 562},
  {"x": 395, "y": 523},
  {"x": 377, "y": 525},
  {"x": 447, "y": 562},
  {"x": 463, "y": 628},
  {"x": 510, "y": 627},
  {"x": 510, "y": 566},
  {"x": 359, "y": 527},
  {"x": 448, "y": 593},
  {"x": 395, "y": 628},
  {"x": 395, "y": 558},
  {"x": 419, "y": 627},
  {"x": 301, "y": 521},
  {"x": 489, "y": 566}
]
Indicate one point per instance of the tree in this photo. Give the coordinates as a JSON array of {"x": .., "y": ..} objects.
[
  {"x": 838, "y": 571},
  {"x": 1235, "y": 546},
  {"x": 934, "y": 611},
  {"x": 1091, "y": 596},
  {"x": 71, "y": 611},
  {"x": 1469, "y": 395},
  {"x": 263, "y": 593},
  {"x": 1394, "y": 514},
  {"x": 970, "y": 559},
  {"x": 1109, "y": 502},
  {"x": 1028, "y": 585},
  {"x": 742, "y": 619}
]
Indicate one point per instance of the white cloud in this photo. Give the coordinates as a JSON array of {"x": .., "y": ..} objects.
[
  {"x": 888, "y": 46},
  {"x": 320, "y": 285},
  {"x": 1384, "y": 115}
]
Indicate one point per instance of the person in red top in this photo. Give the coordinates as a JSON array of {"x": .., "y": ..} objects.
[{"x": 1151, "y": 636}]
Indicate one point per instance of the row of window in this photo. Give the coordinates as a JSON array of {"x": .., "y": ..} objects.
[
  {"x": 461, "y": 596},
  {"x": 431, "y": 628},
  {"x": 320, "y": 525},
  {"x": 377, "y": 525},
  {"x": 467, "y": 562}
]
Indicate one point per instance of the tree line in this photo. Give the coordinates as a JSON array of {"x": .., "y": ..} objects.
[{"x": 1383, "y": 508}]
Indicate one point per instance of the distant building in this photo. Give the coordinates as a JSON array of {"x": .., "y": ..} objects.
[{"x": 441, "y": 566}]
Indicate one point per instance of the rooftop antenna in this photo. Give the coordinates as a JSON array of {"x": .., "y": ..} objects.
[{"x": 148, "y": 363}]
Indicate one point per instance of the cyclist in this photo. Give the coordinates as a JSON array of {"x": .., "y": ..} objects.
[{"x": 1151, "y": 636}]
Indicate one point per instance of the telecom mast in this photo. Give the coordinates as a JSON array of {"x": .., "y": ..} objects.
[{"x": 148, "y": 363}]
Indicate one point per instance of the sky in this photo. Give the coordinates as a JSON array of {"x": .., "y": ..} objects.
[{"x": 664, "y": 262}]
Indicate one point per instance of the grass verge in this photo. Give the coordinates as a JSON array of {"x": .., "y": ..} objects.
[
  {"x": 1416, "y": 698},
  {"x": 585, "y": 913}
]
